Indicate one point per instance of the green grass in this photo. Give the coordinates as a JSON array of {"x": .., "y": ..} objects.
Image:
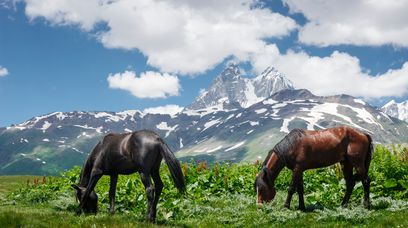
[
  {"x": 217, "y": 196},
  {"x": 9, "y": 183},
  {"x": 237, "y": 210},
  {"x": 20, "y": 216}
]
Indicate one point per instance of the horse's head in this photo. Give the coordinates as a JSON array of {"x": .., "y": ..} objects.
[
  {"x": 88, "y": 205},
  {"x": 265, "y": 191}
]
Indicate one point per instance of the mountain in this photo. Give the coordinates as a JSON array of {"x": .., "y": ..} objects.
[
  {"x": 231, "y": 90},
  {"x": 397, "y": 110},
  {"x": 210, "y": 130}
]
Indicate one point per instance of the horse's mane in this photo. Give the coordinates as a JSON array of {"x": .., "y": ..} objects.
[
  {"x": 85, "y": 173},
  {"x": 286, "y": 144},
  {"x": 88, "y": 165}
]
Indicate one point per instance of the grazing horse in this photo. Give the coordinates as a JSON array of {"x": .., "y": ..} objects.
[
  {"x": 301, "y": 150},
  {"x": 140, "y": 151}
]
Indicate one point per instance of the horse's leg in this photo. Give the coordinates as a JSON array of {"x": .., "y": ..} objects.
[
  {"x": 363, "y": 174},
  {"x": 292, "y": 187},
  {"x": 149, "y": 193},
  {"x": 96, "y": 174},
  {"x": 350, "y": 182},
  {"x": 112, "y": 192},
  {"x": 300, "y": 190},
  {"x": 158, "y": 186}
]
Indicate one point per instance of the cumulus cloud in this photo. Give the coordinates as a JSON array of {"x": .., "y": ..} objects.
[
  {"x": 149, "y": 85},
  {"x": 357, "y": 22},
  {"x": 335, "y": 74},
  {"x": 3, "y": 71},
  {"x": 170, "y": 109},
  {"x": 192, "y": 36},
  {"x": 179, "y": 36}
]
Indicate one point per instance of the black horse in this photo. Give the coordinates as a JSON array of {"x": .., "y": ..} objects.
[{"x": 140, "y": 151}]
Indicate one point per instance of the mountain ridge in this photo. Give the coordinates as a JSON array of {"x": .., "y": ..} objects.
[{"x": 57, "y": 141}]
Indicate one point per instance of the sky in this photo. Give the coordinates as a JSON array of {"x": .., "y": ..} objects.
[{"x": 114, "y": 55}]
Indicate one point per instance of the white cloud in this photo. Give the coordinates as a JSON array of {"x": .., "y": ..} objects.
[
  {"x": 3, "y": 71},
  {"x": 357, "y": 22},
  {"x": 178, "y": 36},
  {"x": 335, "y": 74},
  {"x": 170, "y": 109},
  {"x": 149, "y": 85}
]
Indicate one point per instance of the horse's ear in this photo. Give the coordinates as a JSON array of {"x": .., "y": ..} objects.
[
  {"x": 265, "y": 172},
  {"x": 266, "y": 177},
  {"x": 74, "y": 186}
]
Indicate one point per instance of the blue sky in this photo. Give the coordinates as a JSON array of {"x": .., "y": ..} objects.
[{"x": 59, "y": 58}]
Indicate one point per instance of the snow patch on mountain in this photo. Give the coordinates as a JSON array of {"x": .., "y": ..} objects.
[
  {"x": 359, "y": 101},
  {"x": 235, "y": 146},
  {"x": 285, "y": 124},
  {"x": 260, "y": 111},
  {"x": 163, "y": 126},
  {"x": 214, "y": 149},
  {"x": 250, "y": 95},
  {"x": 181, "y": 143},
  {"x": 253, "y": 123},
  {"x": 108, "y": 117},
  {"x": 210, "y": 124},
  {"x": 97, "y": 129},
  {"x": 171, "y": 110},
  {"x": 45, "y": 126}
]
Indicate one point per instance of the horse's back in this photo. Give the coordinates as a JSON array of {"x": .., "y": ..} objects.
[
  {"x": 326, "y": 139},
  {"x": 146, "y": 136},
  {"x": 337, "y": 134},
  {"x": 332, "y": 145},
  {"x": 112, "y": 141}
]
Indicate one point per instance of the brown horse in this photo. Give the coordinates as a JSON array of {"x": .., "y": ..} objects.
[
  {"x": 301, "y": 150},
  {"x": 139, "y": 151}
]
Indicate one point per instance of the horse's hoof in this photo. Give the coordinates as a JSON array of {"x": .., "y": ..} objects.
[
  {"x": 152, "y": 220},
  {"x": 367, "y": 206},
  {"x": 78, "y": 212}
]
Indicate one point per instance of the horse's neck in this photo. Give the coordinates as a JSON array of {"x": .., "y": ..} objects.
[
  {"x": 85, "y": 173},
  {"x": 275, "y": 165}
]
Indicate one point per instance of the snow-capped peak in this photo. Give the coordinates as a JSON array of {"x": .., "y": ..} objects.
[
  {"x": 232, "y": 71},
  {"x": 390, "y": 103},
  {"x": 231, "y": 90},
  {"x": 397, "y": 110},
  {"x": 269, "y": 72}
]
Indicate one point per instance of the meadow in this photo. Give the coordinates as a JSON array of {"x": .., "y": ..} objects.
[{"x": 220, "y": 194}]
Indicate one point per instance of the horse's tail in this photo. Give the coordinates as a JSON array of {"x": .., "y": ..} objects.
[
  {"x": 174, "y": 166},
  {"x": 369, "y": 152}
]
